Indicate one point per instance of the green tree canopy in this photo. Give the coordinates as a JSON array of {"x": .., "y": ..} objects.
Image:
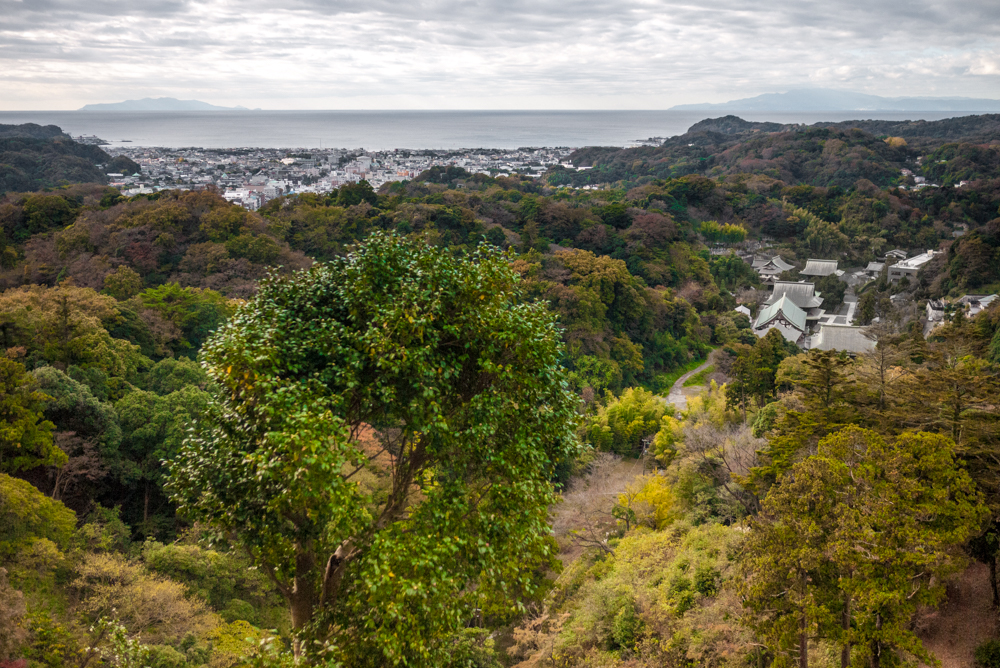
[
  {"x": 26, "y": 513},
  {"x": 153, "y": 429},
  {"x": 67, "y": 325},
  {"x": 175, "y": 373},
  {"x": 853, "y": 539},
  {"x": 624, "y": 422},
  {"x": 383, "y": 441},
  {"x": 195, "y": 312},
  {"x": 87, "y": 432},
  {"x": 25, "y": 437}
]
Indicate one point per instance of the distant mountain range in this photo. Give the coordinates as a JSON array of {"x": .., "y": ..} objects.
[
  {"x": 159, "y": 104},
  {"x": 822, "y": 99}
]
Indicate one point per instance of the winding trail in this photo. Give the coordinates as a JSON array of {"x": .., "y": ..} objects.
[{"x": 676, "y": 395}]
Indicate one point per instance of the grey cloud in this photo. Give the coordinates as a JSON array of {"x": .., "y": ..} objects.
[{"x": 639, "y": 52}]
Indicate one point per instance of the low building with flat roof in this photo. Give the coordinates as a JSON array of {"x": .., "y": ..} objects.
[{"x": 908, "y": 268}]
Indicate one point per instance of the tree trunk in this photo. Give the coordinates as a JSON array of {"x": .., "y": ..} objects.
[
  {"x": 55, "y": 487},
  {"x": 145, "y": 504},
  {"x": 845, "y": 651},
  {"x": 803, "y": 631},
  {"x": 877, "y": 644},
  {"x": 803, "y": 644},
  {"x": 993, "y": 581},
  {"x": 743, "y": 403},
  {"x": 302, "y": 598}
]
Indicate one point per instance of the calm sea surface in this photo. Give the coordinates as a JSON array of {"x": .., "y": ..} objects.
[{"x": 381, "y": 130}]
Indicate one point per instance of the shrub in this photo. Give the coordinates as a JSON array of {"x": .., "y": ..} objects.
[
  {"x": 165, "y": 656},
  {"x": 495, "y": 236},
  {"x": 239, "y": 610},
  {"x": 232, "y": 643},
  {"x": 665, "y": 441},
  {"x": 988, "y": 654},
  {"x": 149, "y": 604},
  {"x": 706, "y": 580},
  {"x": 12, "y": 611},
  {"x": 621, "y": 426},
  {"x": 626, "y": 627},
  {"x": 650, "y": 499},
  {"x": 224, "y": 579},
  {"x": 26, "y": 513}
]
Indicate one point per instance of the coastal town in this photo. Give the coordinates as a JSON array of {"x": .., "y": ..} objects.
[{"x": 252, "y": 176}]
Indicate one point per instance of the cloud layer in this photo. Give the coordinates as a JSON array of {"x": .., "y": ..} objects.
[{"x": 488, "y": 54}]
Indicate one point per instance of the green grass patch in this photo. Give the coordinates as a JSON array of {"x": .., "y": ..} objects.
[
  {"x": 665, "y": 381},
  {"x": 699, "y": 378}
]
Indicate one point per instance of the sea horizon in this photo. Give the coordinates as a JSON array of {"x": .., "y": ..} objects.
[{"x": 432, "y": 129}]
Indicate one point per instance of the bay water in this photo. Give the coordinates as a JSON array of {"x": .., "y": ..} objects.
[{"x": 381, "y": 130}]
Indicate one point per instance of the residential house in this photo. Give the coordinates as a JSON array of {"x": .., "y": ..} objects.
[
  {"x": 975, "y": 304},
  {"x": 874, "y": 269},
  {"x": 935, "y": 310}
]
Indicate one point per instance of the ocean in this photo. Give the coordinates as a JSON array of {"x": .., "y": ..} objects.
[{"x": 385, "y": 130}]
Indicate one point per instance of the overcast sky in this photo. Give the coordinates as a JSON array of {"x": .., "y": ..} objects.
[{"x": 489, "y": 54}]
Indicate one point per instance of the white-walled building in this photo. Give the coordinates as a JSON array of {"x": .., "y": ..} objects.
[{"x": 908, "y": 268}]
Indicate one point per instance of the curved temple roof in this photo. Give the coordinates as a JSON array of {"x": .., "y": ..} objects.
[
  {"x": 819, "y": 268},
  {"x": 783, "y": 306},
  {"x": 802, "y": 294},
  {"x": 842, "y": 337}
]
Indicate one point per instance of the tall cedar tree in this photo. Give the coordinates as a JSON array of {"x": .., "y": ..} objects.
[{"x": 852, "y": 540}]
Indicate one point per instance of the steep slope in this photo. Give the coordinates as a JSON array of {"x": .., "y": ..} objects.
[{"x": 34, "y": 157}]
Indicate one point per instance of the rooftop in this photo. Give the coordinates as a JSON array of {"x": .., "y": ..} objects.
[
  {"x": 776, "y": 262},
  {"x": 916, "y": 261},
  {"x": 803, "y": 295},
  {"x": 842, "y": 337},
  {"x": 983, "y": 300},
  {"x": 783, "y": 306},
  {"x": 819, "y": 268}
]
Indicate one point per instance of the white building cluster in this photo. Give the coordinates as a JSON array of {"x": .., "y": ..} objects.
[{"x": 252, "y": 176}]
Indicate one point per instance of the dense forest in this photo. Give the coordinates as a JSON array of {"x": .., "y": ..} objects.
[
  {"x": 33, "y": 157},
  {"x": 427, "y": 425}
]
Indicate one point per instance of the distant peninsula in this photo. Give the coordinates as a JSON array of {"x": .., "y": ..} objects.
[
  {"x": 823, "y": 99},
  {"x": 159, "y": 104}
]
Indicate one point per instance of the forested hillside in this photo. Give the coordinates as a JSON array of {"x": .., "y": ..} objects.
[
  {"x": 429, "y": 426},
  {"x": 825, "y": 154},
  {"x": 34, "y": 157}
]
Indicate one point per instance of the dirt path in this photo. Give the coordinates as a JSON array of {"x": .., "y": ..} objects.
[
  {"x": 677, "y": 397},
  {"x": 953, "y": 632}
]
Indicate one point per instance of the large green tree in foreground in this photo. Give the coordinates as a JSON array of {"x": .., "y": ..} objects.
[{"x": 383, "y": 444}]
